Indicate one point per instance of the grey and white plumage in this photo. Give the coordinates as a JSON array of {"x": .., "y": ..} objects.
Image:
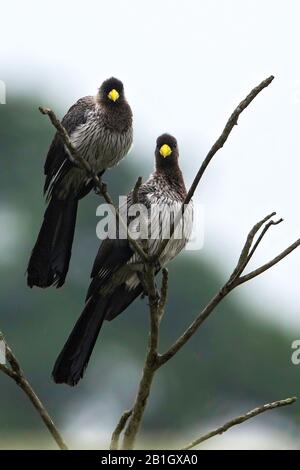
[
  {"x": 100, "y": 127},
  {"x": 163, "y": 202},
  {"x": 116, "y": 272}
]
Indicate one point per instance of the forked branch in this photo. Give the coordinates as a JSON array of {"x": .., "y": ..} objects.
[
  {"x": 14, "y": 371},
  {"x": 234, "y": 281}
]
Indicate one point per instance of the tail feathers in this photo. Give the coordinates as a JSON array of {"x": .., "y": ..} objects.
[
  {"x": 74, "y": 357},
  {"x": 121, "y": 299},
  {"x": 50, "y": 257}
]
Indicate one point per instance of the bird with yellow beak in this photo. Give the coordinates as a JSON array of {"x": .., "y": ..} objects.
[
  {"x": 165, "y": 150},
  {"x": 100, "y": 128},
  {"x": 113, "y": 95},
  {"x": 115, "y": 275}
]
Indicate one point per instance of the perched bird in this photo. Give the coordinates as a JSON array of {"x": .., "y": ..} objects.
[
  {"x": 117, "y": 268},
  {"x": 100, "y": 128}
]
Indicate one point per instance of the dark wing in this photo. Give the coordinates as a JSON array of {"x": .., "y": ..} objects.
[
  {"x": 115, "y": 253},
  {"x": 112, "y": 255},
  {"x": 57, "y": 160}
]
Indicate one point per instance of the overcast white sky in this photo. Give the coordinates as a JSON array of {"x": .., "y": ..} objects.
[{"x": 185, "y": 65}]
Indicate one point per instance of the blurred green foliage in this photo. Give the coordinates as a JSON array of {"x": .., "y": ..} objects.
[{"x": 234, "y": 359}]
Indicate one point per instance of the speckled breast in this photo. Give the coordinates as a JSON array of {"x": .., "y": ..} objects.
[{"x": 100, "y": 145}]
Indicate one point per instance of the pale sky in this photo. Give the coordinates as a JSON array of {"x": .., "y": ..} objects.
[{"x": 185, "y": 66}]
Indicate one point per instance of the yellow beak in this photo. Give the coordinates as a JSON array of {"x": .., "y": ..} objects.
[
  {"x": 113, "y": 95},
  {"x": 165, "y": 150}
]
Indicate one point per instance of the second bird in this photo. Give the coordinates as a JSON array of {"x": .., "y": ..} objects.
[
  {"x": 100, "y": 127},
  {"x": 116, "y": 275}
]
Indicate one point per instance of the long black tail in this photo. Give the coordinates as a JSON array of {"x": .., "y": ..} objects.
[
  {"x": 50, "y": 257},
  {"x": 74, "y": 357}
]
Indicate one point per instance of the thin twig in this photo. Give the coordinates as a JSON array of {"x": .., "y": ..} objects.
[
  {"x": 84, "y": 164},
  {"x": 239, "y": 420},
  {"x": 135, "y": 192},
  {"x": 270, "y": 264},
  {"x": 244, "y": 256},
  {"x": 232, "y": 121},
  {"x": 18, "y": 376},
  {"x": 261, "y": 236},
  {"x": 114, "y": 444}
]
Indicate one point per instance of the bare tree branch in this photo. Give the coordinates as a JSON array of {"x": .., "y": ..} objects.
[
  {"x": 16, "y": 373},
  {"x": 261, "y": 236},
  {"x": 235, "y": 280},
  {"x": 232, "y": 121},
  {"x": 114, "y": 445},
  {"x": 270, "y": 264},
  {"x": 84, "y": 164},
  {"x": 239, "y": 420},
  {"x": 244, "y": 256}
]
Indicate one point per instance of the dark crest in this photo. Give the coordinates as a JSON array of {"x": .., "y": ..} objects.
[
  {"x": 166, "y": 151},
  {"x": 166, "y": 139},
  {"x": 166, "y": 158},
  {"x": 109, "y": 85}
]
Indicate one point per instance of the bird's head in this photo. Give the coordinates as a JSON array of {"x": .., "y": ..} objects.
[
  {"x": 111, "y": 91},
  {"x": 166, "y": 152}
]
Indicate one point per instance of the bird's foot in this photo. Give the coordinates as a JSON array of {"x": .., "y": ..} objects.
[
  {"x": 101, "y": 185},
  {"x": 97, "y": 191}
]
